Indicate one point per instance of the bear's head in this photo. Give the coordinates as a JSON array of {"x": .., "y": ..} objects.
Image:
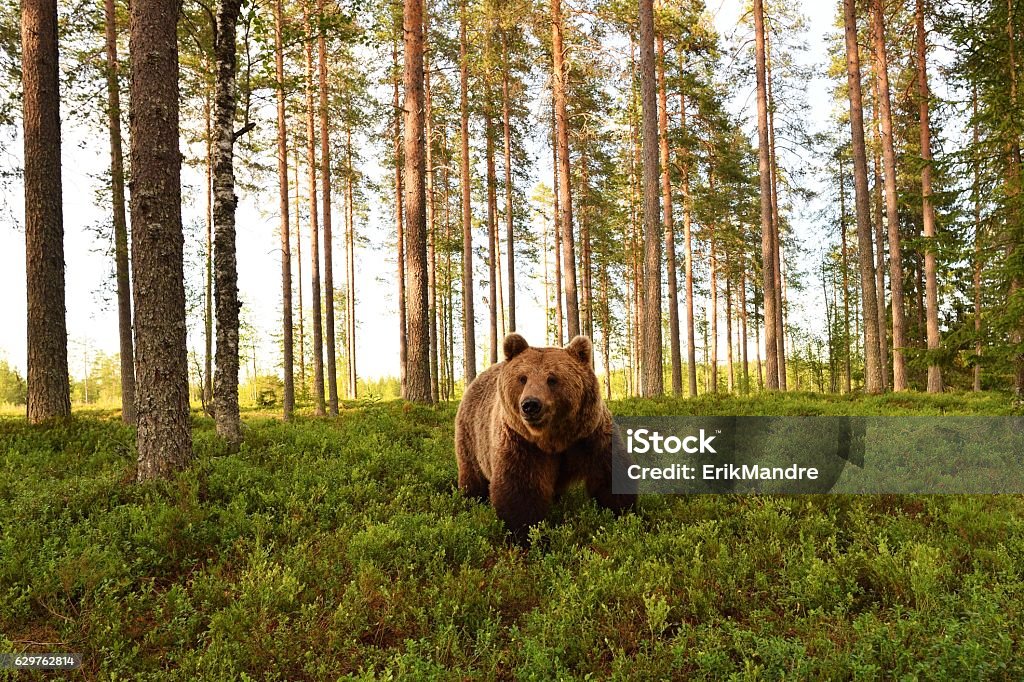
[{"x": 550, "y": 395}]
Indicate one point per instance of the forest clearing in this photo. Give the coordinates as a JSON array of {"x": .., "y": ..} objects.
[{"x": 339, "y": 548}]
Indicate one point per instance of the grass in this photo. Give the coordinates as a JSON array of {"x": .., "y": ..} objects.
[{"x": 340, "y": 548}]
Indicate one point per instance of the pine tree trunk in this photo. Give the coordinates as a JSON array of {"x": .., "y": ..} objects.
[
  {"x": 49, "y": 392},
  {"x": 303, "y": 386},
  {"x": 883, "y": 339},
  {"x": 846, "y": 281},
  {"x": 403, "y": 326},
  {"x": 650, "y": 358},
  {"x": 506, "y": 105},
  {"x": 872, "y": 370},
  {"x": 771, "y": 312},
  {"x": 418, "y": 361},
  {"x": 713, "y": 265},
  {"x": 314, "y": 223},
  {"x": 899, "y": 341},
  {"x": 1013, "y": 192},
  {"x": 225, "y": 258},
  {"x": 556, "y": 223},
  {"x": 691, "y": 345},
  {"x": 325, "y": 193},
  {"x": 675, "y": 353},
  {"x": 558, "y": 87},
  {"x": 350, "y": 271},
  {"x": 780, "y": 306},
  {"x": 124, "y": 291},
  {"x": 978, "y": 263},
  {"x": 492, "y": 238},
  {"x": 431, "y": 217},
  {"x": 164, "y": 432},
  {"x": 469, "y": 322},
  {"x": 286, "y": 251},
  {"x": 743, "y": 325},
  {"x": 928, "y": 211},
  {"x": 207, "y": 378}
]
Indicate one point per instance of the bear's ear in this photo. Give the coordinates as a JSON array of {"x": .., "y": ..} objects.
[
  {"x": 581, "y": 349},
  {"x": 514, "y": 345}
]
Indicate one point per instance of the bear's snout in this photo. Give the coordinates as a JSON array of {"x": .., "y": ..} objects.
[{"x": 531, "y": 408}]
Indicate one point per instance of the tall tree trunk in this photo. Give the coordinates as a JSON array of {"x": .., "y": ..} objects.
[
  {"x": 418, "y": 365},
  {"x": 780, "y": 304},
  {"x": 883, "y": 339},
  {"x": 846, "y": 280},
  {"x": 124, "y": 291},
  {"x": 431, "y": 216},
  {"x": 506, "y": 106},
  {"x": 286, "y": 251},
  {"x": 771, "y": 310},
  {"x": 650, "y": 358},
  {"x": 207, "y": 388},
  {"x": 713, "y": 266},
  {"x": 325, "y": 193},
  {"x": 164, "y": 432},
  {"x": 303, "y": 386},
  {"x": 49, "y": 392},
  {"x": 873, "y": 369},
  {"x": 928, "y": 211},
  {"x": 899, "y": 341},
  {"x": 314, "y": 223},
  {"x": 743, "y": 323},
  {"x": 1013, "y": 192},
  {"x": 492, "y": 238},
  {"x": 558, "y": 87},
  {"x": 670, "y": 237},
  {"x": 691, "y": 344},
  {"x": 403, "y": 323},
  {"x": 350, "y": 272},
  {"x": 556, "y": 223},
  {"x": 469, "y": 322},
  {"x": 584, "y": 263},
  {"x": 225, "y": 389},
  {"x": 978, "y": 258}
]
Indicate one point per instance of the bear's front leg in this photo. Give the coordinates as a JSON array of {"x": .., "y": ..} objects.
[
  {"x": 523, "y": 486},
  {"x": 609, "y": 456}
]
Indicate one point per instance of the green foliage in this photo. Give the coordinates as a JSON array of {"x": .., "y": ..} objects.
[
  {"x": 12, "y": 385},
  {"x": 340, "y": 548}
]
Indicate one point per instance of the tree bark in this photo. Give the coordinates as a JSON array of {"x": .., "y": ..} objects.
[
  {"x": 506, "y": 105},
  {"x": 325, "y": 193},
  {"x": 303, "y": 386},
  {"x": 872, "y": 371},
  {"x": 49, "y": 392},
  {"x": 931, "y": 287},
  {"x": 846, "y": 280},
  {"x": 556, "y": 223},
  {"x": 350, "y": 271},
  {"x": 899, "y": 341},
  {"x": 286, "y": 251},
  {"x": 558, "y": 87},
  {"x": 650, "y": 358},
  {"x": 780, "y": 303},
  {"x": 691, "y": 344},
  {"x": 225, "y": 389},
  {"x": 883, "y": 337},
  {"x": 418, "y": 362},
  {"x": 978, "y": 263},
  {"x": 670, "y": 238},
  {"x": 468, "y": 315},
  {"x": 403, "y": 326},
  {"x": 314, "y": 223},
  {"x": 164, "y": 434},
  {"x": 492, "y": 238},
  {"x": 767, "y": 231},
  {"x": 121, "y": 264}
]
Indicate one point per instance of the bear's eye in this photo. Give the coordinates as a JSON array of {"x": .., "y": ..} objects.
[
  {"x": 552, "y": 381},
  {"x": 522, "y": 380}
]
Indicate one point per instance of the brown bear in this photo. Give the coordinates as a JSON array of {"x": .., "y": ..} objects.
[{"x": 530, "y": 426}]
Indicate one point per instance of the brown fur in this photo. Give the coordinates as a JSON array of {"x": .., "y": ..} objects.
[{"x": 522, "y": 466}]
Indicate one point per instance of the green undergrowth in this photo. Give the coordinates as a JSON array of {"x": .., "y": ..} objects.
[{"x": 332, "y": 548}]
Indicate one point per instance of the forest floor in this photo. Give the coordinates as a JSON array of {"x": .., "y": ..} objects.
[{"x": 339, "y": 547}]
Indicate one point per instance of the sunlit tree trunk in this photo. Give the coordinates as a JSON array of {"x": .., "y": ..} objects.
[
  {"x": 931, "y": 287},
  {"x": 872, "y": 371},
  {"x": 978, "y": 263},
  {"x": 883, "y": 340},
  {"x": 469, "y": 322},
  {"x": 120, "y": 221},
  {"x": 848, "y": 369},
  {"x": 418, "y": 330},
  {"x": 296, "y": 220},
  {"x": 286, "y": 252},
  {"x": 403, "y": 327},
  {"x": 771, "y": 311},
  {"x": 350, "y": 264},
  {"x": 325, "y": 193},
  {"x": 558, "y": 87},
  {"x": 651, "y": 368},
  {"x": 899, "y": 341},
  {"x": 780, "y": 306},
  {"x": 207, "y": 389},
  {"x": 691, "y": 345},
  {"x": 675, "y": 352},
  {"x": 314, "y": 223},
  {"x": 506, "y": 106}
]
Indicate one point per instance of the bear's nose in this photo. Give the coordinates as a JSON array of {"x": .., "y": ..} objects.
[{"x": 531, "y": 407}]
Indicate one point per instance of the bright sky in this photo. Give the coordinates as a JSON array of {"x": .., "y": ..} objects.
[{"x": 92, "y": 324}]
